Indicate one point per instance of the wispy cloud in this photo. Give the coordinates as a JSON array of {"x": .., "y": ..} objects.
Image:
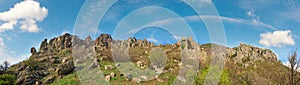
[
  {"x": 177, "y": 37},
  {"x": 223, "y": 18},
  {"x": 292, "y": 14},
  {"x": 9, "y": 55},
  {"x": 152, "y": 39},
  {"x": 196, "y": 18},
  {"x": 256, "y": 4}
]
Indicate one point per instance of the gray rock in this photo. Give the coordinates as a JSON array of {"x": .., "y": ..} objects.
[
  {"x": 137, "y": 80},
  {"x": 109, "y": 67},
  {"x": 65, "y": 68},
  {"x": 112, "y": 74},
  {"x": 128, "y": 77},
  {"x": 107, "y": 78}
]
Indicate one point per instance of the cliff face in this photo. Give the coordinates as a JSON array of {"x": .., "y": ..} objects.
[{"x": 54, "y": 59}]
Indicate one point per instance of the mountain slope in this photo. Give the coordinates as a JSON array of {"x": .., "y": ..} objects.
[{"x": 59, "y": 60}]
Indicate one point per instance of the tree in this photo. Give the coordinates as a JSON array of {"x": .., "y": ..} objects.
[
  {"x": 294, "y": 62},
  {"x": 4, "y": 66}
]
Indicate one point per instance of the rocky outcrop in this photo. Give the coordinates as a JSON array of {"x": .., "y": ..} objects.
[
  {"x": 248, "y": 55},
  {"x": 57, "y": 43},
  {"x": 188, "y": 43},
  {"x": 54, "y": 58},
  {"x": 103, "y": 42}
]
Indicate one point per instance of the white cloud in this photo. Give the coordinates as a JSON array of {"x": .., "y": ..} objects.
[
  {"x": 277, "y": 38},
  {"x": 24, "y": 15}
]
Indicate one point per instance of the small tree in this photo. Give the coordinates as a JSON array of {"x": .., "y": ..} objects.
[
  {"x": 4, "y": 66},
  {"x": 294, "y": 67}
]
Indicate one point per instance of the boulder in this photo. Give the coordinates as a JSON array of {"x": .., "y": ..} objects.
[
  {"x": 128, "y": 77},
  {"x": 65, "y": 68},
  {"x": 49, "y": 79},
  {"x": 139, "y": 63},
  {"x": 109, "y": 67},
  {"x": 112, "y": 74},
  {"x": 33, "y": 50},
  {"x": 107, "y": 78},
  {"x": 137, "y": 80}
]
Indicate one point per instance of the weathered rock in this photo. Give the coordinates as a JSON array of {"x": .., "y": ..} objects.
[
  {"x": 109, "y": 67},
  {"x": 159, "y": 80},
  {"x": 128, "y": 77},
  {"x": 137, "y": 80},
  {"x": 159, "y": 70},
  {"x": 107, "y": 78},
  {"x": 65, "y": 68},
  {"x": 144, "y": 77},
  {"x": 139, "y": 63},
  {"x": 20, "y": 80},
  {"x": 29, "y": 80},
  {"x": 247, "y": 54},
  {"x": 118, "y": 64},
  {"x": 43, "y": 46},
  {"x": 38, "y": 83},
  {"x": 49, "y": 80},
  {"x": 88, "y": 40},
  {"x": 32, "y": 50},
  {"x": 21, "y": 67},
  {"x": 103, "y": 42},
  {"x": 112, "y": 74}
]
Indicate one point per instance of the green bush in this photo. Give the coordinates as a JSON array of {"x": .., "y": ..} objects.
[{"x": 7, "y": 79}]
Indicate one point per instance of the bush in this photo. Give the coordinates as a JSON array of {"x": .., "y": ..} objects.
[{"x": 7, "y": 79}]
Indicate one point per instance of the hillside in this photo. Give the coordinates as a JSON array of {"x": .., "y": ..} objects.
[{"x": 63, "y": 60}]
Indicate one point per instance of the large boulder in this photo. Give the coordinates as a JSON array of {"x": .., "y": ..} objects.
[
  {"x": 32, "y": 50},
  {"x": 65, "y": 68}
]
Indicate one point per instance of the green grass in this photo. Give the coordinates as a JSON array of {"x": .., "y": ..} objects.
[{"x": 68, "y": 80}]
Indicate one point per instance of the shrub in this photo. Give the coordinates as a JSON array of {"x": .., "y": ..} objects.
[{"x": 7, "y": 79}]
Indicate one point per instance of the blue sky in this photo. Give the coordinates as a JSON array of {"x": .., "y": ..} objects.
[{"x": 272, "y": 24}]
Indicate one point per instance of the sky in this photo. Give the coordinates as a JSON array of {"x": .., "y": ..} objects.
[{"x": 271, "y": 24}]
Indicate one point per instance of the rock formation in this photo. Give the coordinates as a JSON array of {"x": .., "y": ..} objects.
[{"x": 54, "y": 58}]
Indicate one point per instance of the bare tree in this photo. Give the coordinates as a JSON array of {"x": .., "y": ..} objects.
[{"x": 294, "y": 67}]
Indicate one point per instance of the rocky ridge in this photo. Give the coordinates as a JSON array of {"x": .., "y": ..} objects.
[{"x": 54, "y": 60}]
